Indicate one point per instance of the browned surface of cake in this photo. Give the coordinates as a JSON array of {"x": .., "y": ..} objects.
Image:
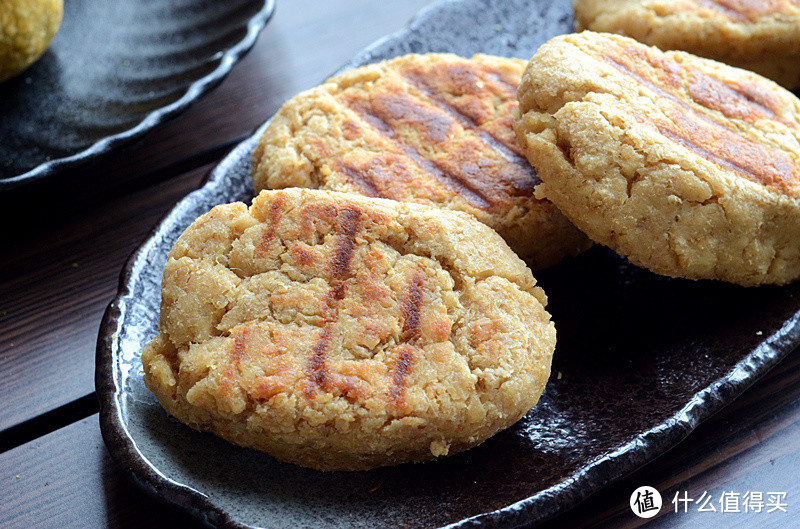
[
  {"x": 749, "y": 10},
  {"x": 686, "y": 166},
  {"x": 342, "y": 332},
  {"x": 758, "y": 35},
  {"x": 434, "y": 129},
  {"x": 713, "y": 117}
]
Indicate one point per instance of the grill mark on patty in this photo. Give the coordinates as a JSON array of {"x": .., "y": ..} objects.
[
  {"x": 462, "y": 186},
  {"x": 399, "y": 107},
  {"x": 412, "y": 307},
  {"x": 361, "y": 178},
  {"x": 448, "y": 179},
  {"x": 412, "y": 329},
  {"x": 404, "y": 363},
  {"x": 419, "y": 82},
  {"x": 725, "y": 148},
  {"x": 722, "y": 144},
  {"x": 499, "y": 77},
  {"x": 468, "y": 122},
  {"x": 237, "y": 352},
  {"x": 743, "y": 10},
  {"x": 703, "y": 89},
  {"x": 317, "y": 367},
  {"x": 273, "y": 216},
  {"x": 466, "y": 76},
  {"x": 339, "y": 269},
  {"x": 746, "y": 103},
  {"x": 349, "y": 225},
  {"x": 331, "y": 301},
  {"x": 515, "y": 159}
]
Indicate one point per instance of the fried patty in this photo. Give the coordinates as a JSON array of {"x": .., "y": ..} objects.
[
  {"x": 342, "y": 332},
  {"x": 758, "y": 35},
  {"x": 686, "y": 166},
  {"x": 434, "y": 129},
  {"x": 26, "y": 29}
]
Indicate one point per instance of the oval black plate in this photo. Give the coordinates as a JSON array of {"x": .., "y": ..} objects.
[
  {"x": 115, "y": 70},
  {"x": 641, "y": 360}
]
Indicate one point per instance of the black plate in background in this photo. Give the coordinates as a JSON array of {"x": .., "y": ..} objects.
[
  {"x": 641, "y": 361},
  {"x": 116, "y": 69}
]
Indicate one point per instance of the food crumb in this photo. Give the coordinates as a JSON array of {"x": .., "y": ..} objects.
[
  {"x": 759, "y": 333},
  {"x": 440, "y": 448},
  {"x": 17, "y": 476},
  {"x": 558, "y": 376},
  {"x": 74, "y": 265},
  {"x": 498, "y": 27}
]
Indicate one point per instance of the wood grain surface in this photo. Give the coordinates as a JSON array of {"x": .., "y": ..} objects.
[
  {"x": 56, "y": 287},
  {"x": 61, "y": 270},
  {"x": 64, "y": 246}
]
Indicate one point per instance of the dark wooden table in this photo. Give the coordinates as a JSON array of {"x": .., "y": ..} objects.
[{"x": 63, "y": 247}]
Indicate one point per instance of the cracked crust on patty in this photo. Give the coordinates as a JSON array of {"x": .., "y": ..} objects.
[
  {"x": 758, "y": 35},
  {"x": 686, "y": 166},
  {"x": 434, "y": 129},
  {"x": 341, "y": 332}
]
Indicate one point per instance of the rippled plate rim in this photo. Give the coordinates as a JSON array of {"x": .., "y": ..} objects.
[
  {"x": 534, "y": 509},
  {"x": 197, "y": 89}
]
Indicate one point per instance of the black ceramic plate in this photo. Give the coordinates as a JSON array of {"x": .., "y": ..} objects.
[
  {"x": 641, "y": 360},
  {"x": 116, "y": 69}
]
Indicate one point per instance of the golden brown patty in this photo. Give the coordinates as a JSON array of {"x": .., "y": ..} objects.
[
  {"x": 26, "y": 29},
  {"x": 758, "y": 35},
  {"x": 342, "y": 332},
  {"x": 686, "y": 166},
  {"x": 434, "y": 129}
]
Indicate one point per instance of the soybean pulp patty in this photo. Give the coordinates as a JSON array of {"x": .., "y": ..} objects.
[
  {"x": 342, "y": 332},
  {"x": 434, "y": 129},
  {"x": 684, "y": 165},
  {"x": 758, "y": 35}
]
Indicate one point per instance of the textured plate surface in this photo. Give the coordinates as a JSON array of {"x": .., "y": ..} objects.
[
  {"x": 116, "y": 69},
  {"x": 643, "y": 360}
]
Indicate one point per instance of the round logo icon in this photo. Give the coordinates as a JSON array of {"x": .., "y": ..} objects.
[{"x": 645, "y": 502}]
